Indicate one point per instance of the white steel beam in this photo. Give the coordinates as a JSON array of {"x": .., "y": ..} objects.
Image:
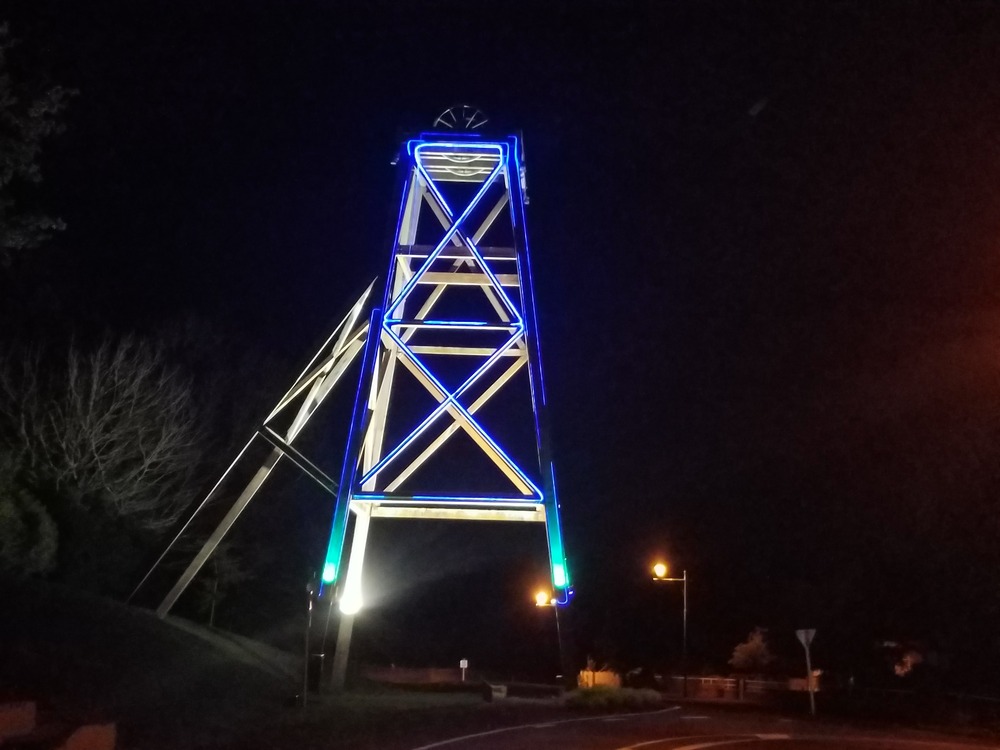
[
  {"x": 320, "y": 379},
  {"x": 535, "y": 514},
  {"x": 474, "y": 351},
  {"x": 471, "y": 428},
  {"x": 351, "y": 598},
  {"x": 454, "y": 426},
  {"x": 468, "y": 279}
]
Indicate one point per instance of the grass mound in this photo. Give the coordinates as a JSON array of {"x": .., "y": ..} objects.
[{"x": 84, "y": 658}]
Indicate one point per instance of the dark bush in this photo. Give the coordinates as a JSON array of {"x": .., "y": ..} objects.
[{"x": 604, "y": 698}]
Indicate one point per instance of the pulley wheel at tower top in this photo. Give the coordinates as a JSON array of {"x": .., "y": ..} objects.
[{"x": 461, "y": 117}]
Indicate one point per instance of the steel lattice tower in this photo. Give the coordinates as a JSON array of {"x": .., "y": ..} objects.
[{"x": 449, "y": 422}]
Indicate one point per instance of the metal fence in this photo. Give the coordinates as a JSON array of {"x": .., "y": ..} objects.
[
  {"x": 726, "y": 688},
  {"x": 918, "y": 706}
]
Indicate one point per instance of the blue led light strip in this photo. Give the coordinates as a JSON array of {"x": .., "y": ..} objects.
[
  {"x": 451, "y": 399},
  {"x": 561, "y": 580},
  {"x": 338, "y": 529},
  {"x": 458, "y": 240},
  {"x": 452, "y": 230},
  {"x": 432, "y": 186},
  {"x": 557, "y": 552},
  {"x": 446, "y": 499},
  {"x": 477, "y": 324}
]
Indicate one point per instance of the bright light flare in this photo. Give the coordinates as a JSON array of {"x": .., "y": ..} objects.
[
  {"x": 559, "y": 575},
  {"x": 329, "y": 573},
  {"x": 660, "y": 570},
  {"x": 542, "y": 599},
  {"x": 351, "y": 602}
]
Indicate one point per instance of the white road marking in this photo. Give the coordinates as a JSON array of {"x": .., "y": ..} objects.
[
  {"x": 705, "y": 741},
  {"x": 464, "y": 737},
  {"x": 942, "y": 743},
  {"x": 701, "y": 745}
]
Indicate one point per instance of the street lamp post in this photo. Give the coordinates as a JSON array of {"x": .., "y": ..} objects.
[
  {"x": 660, "y": 575},
  {"x": 310, "y": 595},
  {"x": 544, "y": 599}
]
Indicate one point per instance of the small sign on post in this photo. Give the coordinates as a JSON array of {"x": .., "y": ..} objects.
[
  {"x": 463, "y": 665},
  {"x": 806, "y": 638}
]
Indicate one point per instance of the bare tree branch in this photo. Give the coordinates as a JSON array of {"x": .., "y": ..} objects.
[{"x": 117, "y": 423}]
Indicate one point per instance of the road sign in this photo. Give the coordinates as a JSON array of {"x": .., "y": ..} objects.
[{"x": 805, "y": 638}]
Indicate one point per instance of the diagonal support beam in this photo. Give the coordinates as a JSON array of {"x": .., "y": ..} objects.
[
  {"x": 310, "y": 469},
  {"x": 444, "y": 216},
  {"x": 448, "y": 402},
  {"x": 320, "y": 377},
  {"x": 456, "y": 227},
  {"x": 455, "y": 426},
  {"x": 448, "y": 235},
  {"x": 451, "y": 404},
  {"x": 346, "y": 332},
  {"x": 220, "y": 532}
]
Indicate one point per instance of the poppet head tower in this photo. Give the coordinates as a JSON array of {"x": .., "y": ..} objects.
[
  {"x": 449, "y": 420},
  {"x": 450, "y": 417}
]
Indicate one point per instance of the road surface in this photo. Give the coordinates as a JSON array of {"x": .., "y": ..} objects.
[{"x": 700, "y": 728}]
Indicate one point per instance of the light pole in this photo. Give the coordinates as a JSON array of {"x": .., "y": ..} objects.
[
  {"x": 545, "y": 599},
  {"x": 660, "y": 576},
  {"x": 310, "y": 595}
]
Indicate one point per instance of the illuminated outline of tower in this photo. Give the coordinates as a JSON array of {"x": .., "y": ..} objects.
[
  {"x": 498, "y": 336},
  {"x": 468, "y": 190}
]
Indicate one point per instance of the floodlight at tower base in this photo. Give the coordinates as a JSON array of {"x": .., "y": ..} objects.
[{"x": 350, "y": 602}]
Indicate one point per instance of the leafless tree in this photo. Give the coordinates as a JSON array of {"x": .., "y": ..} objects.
[
  {"x": 226, "y": 570},
  {"x": 26, "y": 120},
  {"x": 116, "y": 424}
]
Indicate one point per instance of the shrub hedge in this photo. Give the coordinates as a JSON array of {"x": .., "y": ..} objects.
[{"x": 605, "y": 698}]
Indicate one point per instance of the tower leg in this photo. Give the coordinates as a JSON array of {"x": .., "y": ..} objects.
[{"x": 350, "y": 599}]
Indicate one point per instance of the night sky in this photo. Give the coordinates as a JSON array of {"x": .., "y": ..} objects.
[{"x": 765, "y": 239}]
